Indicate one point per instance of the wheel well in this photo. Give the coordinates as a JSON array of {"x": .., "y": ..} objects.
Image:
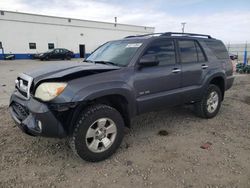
[
  {"x": 118, "y": 102},
  {"x": 219, "y": 81}
]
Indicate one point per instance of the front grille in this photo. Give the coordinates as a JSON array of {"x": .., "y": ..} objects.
[
  {"x": 23, "y": 84},
  {"x": 21, "y": 111}
]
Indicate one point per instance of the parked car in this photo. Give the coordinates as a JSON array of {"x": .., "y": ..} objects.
[
  {"x": 57, "y": 53},
  {"x": 92, "y": 102},
  {"x": 233, "y": 56}
]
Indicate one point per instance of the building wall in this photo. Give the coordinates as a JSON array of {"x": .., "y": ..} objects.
[{"x": 17, "y": 30}]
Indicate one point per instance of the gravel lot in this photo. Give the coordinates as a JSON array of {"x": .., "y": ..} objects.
[{"x": 145, "y": 159}]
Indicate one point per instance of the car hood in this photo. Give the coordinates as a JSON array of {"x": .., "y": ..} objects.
[{"x": 68, "y": 70}]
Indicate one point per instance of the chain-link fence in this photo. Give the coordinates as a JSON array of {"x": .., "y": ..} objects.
[{"x": 239, "y": 50}]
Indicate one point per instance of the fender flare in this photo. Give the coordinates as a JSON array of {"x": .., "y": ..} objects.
[
  {"x": 215, "y": 75},
  {"x": 101, "y": 90}
]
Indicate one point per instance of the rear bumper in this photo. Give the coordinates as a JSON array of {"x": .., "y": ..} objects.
[
  {"x": 229, "y": 82},
  {"x": 35, "y": 118}
]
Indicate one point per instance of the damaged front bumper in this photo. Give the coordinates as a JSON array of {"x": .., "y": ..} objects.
[{"x": 34, "y": 117}]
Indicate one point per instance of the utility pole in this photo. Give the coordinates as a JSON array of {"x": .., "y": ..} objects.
[
  {"x": 115, "y": 21},
  {"x": 183, "y": 26}
]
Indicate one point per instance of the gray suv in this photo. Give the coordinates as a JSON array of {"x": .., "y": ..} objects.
[{"x": 91, "y": 102}]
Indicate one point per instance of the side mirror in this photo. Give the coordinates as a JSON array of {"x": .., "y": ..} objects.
[{"x": 148, "y": 60}]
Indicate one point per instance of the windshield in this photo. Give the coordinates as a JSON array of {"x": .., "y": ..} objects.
[
  {"x": 49, "y": 51},
  {"x": 116, "y": 52}
]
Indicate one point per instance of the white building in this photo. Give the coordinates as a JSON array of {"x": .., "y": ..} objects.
[{"x": 24, "y": 34}]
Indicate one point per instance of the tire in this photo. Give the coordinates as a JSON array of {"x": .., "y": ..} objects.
[
  {"x": 46, "y": 58},
  {"x": 92, "y": 148},
  {"x": 68, "y": 57},
  {"x": 202, "y": 108}
]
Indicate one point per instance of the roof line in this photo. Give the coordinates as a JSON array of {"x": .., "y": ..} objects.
[
  {"x": 102, "y": 28},
  {"x": 43, "y": 15}
]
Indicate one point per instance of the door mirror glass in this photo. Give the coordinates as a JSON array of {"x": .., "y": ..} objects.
[{"x": 149, "y": 60}]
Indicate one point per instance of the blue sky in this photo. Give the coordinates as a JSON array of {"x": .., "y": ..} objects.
[{"x": 227, "y": 20}]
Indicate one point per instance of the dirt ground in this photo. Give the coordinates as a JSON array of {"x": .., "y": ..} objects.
[{"x": 145, "y": 159}]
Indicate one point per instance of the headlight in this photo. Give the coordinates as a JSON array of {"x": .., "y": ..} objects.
[
  {"x": 49, "y": 90},
  {"x": 40, "y": 54}
]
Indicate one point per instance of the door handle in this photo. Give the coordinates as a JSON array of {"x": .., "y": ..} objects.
[
  {"x": 204, "y": 66},
  {"x": 176, "y": 70}
]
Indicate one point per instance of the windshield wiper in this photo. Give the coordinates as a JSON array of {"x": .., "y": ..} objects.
[
  {"x": 89, "y": 61},
  {"x": 106, "y": 63}
]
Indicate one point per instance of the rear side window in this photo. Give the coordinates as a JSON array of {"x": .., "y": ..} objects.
[
  {"x": 218, "y": 48},
  {"x": 187, "y": 51},
  {"x": 164, "y": 50},
  {"x": 190, "y": 51}
]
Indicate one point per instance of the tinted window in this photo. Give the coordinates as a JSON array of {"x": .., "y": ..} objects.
[
  {"x": 32, "y": 45},
  {"x": 117, "y": 52},
  {"x": 187, "y": 51},
  {"x": 56, "y": 51},
  {"x": 200, "y": 54},
  {"x": 218, "y": 48},
  {"x": 51, "y": 46},
  {"x": 164, "y": 50}
]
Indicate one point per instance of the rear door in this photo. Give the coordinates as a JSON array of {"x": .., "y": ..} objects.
[
  {"x": 62, "y": 53},
  {"x": 157, "y": 86},
  {"x": 55, "y": 54},
  {"x": 194, "y": 68}
]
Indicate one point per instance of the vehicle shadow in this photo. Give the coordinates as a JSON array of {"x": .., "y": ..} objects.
[{"x": 163, "y": 119}]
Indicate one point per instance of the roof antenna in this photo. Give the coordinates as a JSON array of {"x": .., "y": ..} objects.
[
  {"x": 115, "y": 21},
  {"x": 183, "y": 26}
]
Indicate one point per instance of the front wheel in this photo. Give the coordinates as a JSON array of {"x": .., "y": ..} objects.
[
  {"x": 210, "y": 104},
  {"x": 97, "y": 133},
  {"x": 46, "y": 58}
]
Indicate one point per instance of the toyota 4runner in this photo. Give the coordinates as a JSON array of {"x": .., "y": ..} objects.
[{"x": 91, "y": 102}]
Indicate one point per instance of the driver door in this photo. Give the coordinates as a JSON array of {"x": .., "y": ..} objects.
[
  {"x": 55, "y": 54},
  {"x": 158, "y": 86}
]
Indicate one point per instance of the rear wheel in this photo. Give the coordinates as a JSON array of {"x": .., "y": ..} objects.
[
  {"x": 68, "y": 57},
  {"x": 210, "y": 104},
  {"x": 97, "y": 133}
]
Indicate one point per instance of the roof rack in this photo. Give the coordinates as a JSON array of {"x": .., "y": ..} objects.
[
  {"x": 171, "y": 34},
  {"x": 185, "y": 34},
  {"x": 144, "y": 35}
]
